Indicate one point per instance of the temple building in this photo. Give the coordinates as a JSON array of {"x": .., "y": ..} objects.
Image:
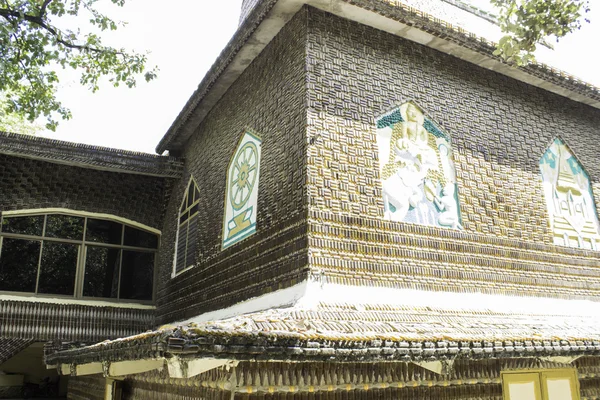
[{"x": 359, "y": 201}]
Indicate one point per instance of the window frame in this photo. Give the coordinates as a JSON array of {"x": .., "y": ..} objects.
[
  {"x": 180, "y": 212},
  {"x": 82, "y": 249},
  {"x": 540, "y": 377}
]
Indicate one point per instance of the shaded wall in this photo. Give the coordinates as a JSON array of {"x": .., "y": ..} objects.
[
  {"x": 87, "y": 388},
  {"x": 30, "y": 184},
  {"x": 30, "y": 363},
  {"x": 269, "y": 97}
]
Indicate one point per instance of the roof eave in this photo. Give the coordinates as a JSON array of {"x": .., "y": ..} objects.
[
  {"x": 247, "y": 43},
  {"x": 268, "y": 17},
  {"x": 247, "y": 346},
  {"x": 88, "y": 156}
]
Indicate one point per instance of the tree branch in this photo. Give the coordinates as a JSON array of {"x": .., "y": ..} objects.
[
  {"x": 43, "y": 8},
  {"x": 10, "y": 15}
]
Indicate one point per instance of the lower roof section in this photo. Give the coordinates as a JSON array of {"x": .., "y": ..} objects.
[
  {"x": 11, "y": 347},
  {"x": 404, "y": 327},
  {"x": 45, "y": 319},
  {"x": 87, "y": 156}
]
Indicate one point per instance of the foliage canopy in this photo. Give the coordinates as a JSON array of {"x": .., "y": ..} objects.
[
  {"x": 34, "y": 43},
  {"x": 15, "y": 123},
  {"x": 32, "y": 46},
  {"x": 528, "y": 23}
]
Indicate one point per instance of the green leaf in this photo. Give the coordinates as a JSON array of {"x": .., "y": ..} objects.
[
  {"x": 33, "y": 47},
  {"x": 532, "y": 22}
]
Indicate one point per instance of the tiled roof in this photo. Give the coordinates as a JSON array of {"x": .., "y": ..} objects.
[
  {"x": 347, "y": 332},
  {"x": 87, "y": 156},
  {"x": 210, "y": 90},
  {"x": 44, "y": 321},
  {"x": 11, "y": 347},
  {"x": 469, "y": 7}
]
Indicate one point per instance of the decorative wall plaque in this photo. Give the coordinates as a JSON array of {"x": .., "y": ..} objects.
[
  {"x": 571, "y": 207},
  {"x": 417, "y": 171},
  {"x": 242, "y": 190}
]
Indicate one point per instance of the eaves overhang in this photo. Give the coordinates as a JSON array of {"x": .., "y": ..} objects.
[
  {"x": 269, "y": 16},
  {"x": 357, "y": 332},
  {"x": 89, "y": 157}
]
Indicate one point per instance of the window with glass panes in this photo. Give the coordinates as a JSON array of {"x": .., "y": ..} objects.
[
  {"x": 549, "y": 384},
  {"x": 187, "y": 232},
  {"x": 76, "y": 256}
]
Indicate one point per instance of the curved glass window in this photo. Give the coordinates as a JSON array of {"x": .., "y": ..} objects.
[
  {"x": 76, "y": 256},
  {"x": 186, "y": 245}
]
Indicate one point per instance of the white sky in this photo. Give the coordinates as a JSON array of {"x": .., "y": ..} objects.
[{"x": 184, "y": 38}]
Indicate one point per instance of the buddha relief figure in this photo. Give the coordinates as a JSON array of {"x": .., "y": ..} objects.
[
  {"x": 448, "y": 207},
  {"x": 569, "y": 199},
  {"x": 412, "y": 131},
  {"x": 419, "y": 183}
]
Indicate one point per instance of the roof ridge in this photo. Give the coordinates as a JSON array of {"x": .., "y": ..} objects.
[
  {"x": 67, "y": 143},
  {"x": 89, "y": 156}
]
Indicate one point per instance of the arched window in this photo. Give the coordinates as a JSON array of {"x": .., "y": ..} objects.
[
  {"x": 569, "y": 198},
  {"x": 76, "y": 254},
  {"x": 186, "y": 245}
]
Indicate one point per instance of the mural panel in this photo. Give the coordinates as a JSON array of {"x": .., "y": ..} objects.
[
  {"x": 242, "y": 190},
  {"x": 417, "y": 171},
  {"x": 573, "y": 218}
]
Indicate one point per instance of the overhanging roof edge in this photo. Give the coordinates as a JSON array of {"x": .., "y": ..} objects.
[
  {"x": 347, "y": 332},
  {"x": 89, "y": 156},
  {"x": 269, "y": 16}
]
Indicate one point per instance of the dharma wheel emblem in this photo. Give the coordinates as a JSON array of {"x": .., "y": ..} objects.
[
  {"x": 241, "y": 197},
  {"x": 245, "y": 170}
]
